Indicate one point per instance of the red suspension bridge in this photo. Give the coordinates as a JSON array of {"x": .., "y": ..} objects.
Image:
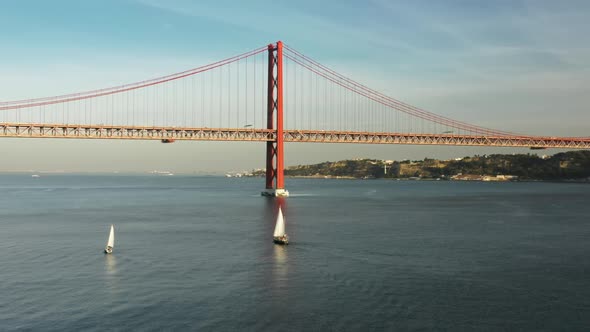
[{"x": 272, "y": 94}]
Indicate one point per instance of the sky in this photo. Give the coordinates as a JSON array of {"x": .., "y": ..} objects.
[{"x": 519, "y": 66}]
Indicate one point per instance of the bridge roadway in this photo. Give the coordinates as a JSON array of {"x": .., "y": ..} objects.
[{"x": 73, "y": 131}]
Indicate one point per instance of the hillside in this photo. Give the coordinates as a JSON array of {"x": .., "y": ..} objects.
[{"x": 561, "y": 166}]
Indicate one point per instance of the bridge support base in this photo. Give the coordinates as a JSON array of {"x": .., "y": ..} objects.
[{"x": 275, "y": 193}]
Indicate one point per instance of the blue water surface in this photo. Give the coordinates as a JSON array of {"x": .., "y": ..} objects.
[{"x": 196, "y": 253}]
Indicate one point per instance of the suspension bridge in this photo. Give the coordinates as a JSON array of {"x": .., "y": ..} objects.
[{"x": 273, "y": 94}]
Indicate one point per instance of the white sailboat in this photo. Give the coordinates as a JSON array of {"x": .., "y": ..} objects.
[
  {"x": 111, "y": 242},
  {"x": 279, "y": 236}
]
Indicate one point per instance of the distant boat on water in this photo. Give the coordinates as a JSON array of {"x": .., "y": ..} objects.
[
  {"x": 279, "y": 235},
  {"x": 35, "y": 176},
  {"x": 164, "y": 173},
  {"x": 110, "y": 242}
]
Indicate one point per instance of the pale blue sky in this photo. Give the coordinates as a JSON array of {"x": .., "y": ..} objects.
[{"x": 519, "y": 66}]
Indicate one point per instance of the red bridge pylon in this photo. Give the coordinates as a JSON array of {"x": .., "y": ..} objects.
[{"x": 275, "y": 185}]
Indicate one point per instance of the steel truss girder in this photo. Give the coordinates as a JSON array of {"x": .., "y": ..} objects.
[
  {"x": 314, "y": 136},
  {"x": 74, "y": 131}
]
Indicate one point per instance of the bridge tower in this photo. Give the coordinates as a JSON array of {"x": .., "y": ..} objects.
[{"x": 275, "y": 185}]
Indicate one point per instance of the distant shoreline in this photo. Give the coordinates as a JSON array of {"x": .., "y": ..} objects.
[
  {"x": 322, "y": 177},
  {"x": 572, "y": 166},
  {"x": 315, "y": 177}
]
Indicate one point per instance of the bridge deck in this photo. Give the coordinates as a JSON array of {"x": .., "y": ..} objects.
[{"x": 73, "y": 131}]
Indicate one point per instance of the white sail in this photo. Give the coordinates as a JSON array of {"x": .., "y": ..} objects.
[
  {"x": 111, "y": 241},
  {"x": 280, "y": 226}
]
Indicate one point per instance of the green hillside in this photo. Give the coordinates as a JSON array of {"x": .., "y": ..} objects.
[{"x": 561, "y": 166}]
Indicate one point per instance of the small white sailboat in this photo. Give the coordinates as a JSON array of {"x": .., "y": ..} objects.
[
  {"x": 279, "y": 236},
  {"x": 111, "y": 241}
]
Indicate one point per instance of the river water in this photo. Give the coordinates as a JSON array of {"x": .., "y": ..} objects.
[{"x": 196, "y": 253}]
